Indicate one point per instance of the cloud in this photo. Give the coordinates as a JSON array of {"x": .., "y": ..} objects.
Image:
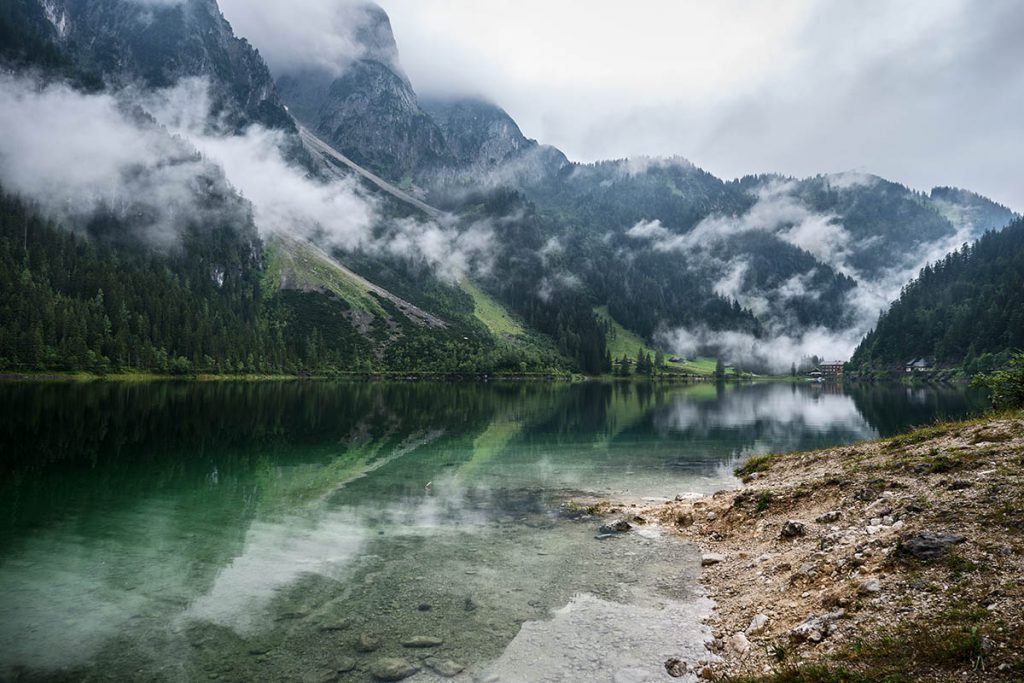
[
  {"x": 799, "y": 87},
  {"x": 780, "y": 212},
  {"x": 329, "y": 34},
  {"x": 76, "y": 154},
  {"x": 778, "y": 413},
  {"x": 775, "y": 354},
  {"x": 648, "y": 230},
  {"x": 337, "y": 213}
]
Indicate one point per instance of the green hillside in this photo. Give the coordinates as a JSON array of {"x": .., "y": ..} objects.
[
  {"x": 493, "y": 315},
  {"x": 624, "y": 342}
]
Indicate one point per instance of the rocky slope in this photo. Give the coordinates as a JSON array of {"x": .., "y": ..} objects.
[
  {"x": 155, "y": 45},
  {"x": 898, "y": 560},
  {"x": 367, "y": 109}
]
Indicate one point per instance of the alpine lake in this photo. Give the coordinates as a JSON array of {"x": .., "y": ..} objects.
[{"x": 320, "y": 531}]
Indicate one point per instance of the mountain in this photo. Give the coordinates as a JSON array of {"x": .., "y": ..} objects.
[
  {"x": 156, "y": 44},
  {"x": 486, "y": 251},
  {"x": 368, "y": 111},
  {"x": 152, "y": 261},
  {"x": 487, "y": 148},
  {"x": 965, "y": 310}
]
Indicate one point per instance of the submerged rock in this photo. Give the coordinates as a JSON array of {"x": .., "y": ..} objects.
[
  {"x": 393, "y": 669},
  {"x": 336, "y": 625},
  {"x": 927, "y": 546},
  {"x": 444, "y": 667},
  {"x": 366, "y": 643},
  {"x": 423, "y": 641},
  {"x": 676, "y": 668},
  {"x": 619, "y": 526}
]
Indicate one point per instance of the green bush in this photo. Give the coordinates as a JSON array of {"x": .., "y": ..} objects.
[{"x": 1007, "y": 385}]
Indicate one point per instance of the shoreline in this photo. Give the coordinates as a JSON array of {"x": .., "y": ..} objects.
[
  {"x": 900, "y": 559},
  {"x": 482, "y": 378}
]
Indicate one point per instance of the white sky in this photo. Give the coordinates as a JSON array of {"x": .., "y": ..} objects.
[{"x": 925, "y": 92}]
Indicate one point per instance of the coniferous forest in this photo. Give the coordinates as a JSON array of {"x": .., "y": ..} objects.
[{"x": 967, "y": 310}]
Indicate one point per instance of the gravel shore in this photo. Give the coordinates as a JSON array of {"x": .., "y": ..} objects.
[{"x": 899, "y": 559}]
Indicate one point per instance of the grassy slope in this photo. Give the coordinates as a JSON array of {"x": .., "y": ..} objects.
[
  {"x": 304, "y": 269},
  {"x": 622, "y": 341},
  {"x": 492, "y": 314}
]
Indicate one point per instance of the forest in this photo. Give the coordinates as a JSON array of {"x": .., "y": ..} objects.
[
  {"x": 966, "y": 310},
  {"x": 98, "y": 302}
]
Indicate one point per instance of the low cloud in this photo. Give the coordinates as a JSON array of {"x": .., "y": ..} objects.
[
  {"x": 153, "y": 154},
  {"x": 649, "y": 230},
  {"x": 329, "y": 34},
  {"x": 775, "y": 354},
  {"x": 779, "y": 212},
  {"x": 78, "y": 154}
]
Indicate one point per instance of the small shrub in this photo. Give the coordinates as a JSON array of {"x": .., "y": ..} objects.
[{"x": 756, "y": 463}]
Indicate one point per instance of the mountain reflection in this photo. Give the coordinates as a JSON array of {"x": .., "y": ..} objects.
[{"x": 164, "y": 511}]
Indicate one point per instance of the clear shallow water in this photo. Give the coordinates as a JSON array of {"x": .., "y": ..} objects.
[{"x": 256, "y": 531}]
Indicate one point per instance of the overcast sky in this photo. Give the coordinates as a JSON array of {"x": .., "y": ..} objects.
[{"x": 926, "y": 92}]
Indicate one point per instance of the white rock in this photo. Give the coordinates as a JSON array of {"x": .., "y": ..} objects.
[
  {"x": 757, "y": 625},
  {"x": 708, "y": 559},
  {"x": 898, "y": 524},
  {"x": 876, "y": 521},
  {"x": 739, "y": 644},
  {"x": 870, "y": 586}
]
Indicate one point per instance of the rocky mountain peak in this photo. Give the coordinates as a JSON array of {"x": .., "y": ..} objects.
[{"x": 372, "y": 32}]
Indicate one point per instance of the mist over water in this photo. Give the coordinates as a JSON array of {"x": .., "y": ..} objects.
[{"x": 185, "y": 531}]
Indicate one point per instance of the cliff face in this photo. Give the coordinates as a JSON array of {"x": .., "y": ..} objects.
[
  {"x": 368, "y": 113},
  {"x": 367, "y": 109},
  {"x": 477, "y": 132},
  {"x": 156, "y": 45}
]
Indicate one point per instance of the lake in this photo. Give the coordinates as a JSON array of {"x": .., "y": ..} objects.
[{"x": 315, "y": 531}]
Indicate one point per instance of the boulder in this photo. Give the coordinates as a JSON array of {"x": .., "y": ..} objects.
[
  {"x": 816, "y": 629},
  {"x": 926, "y": 546},
  {"x": 757, "y": 625},
  {"x": 829, "y": 517},
  {"x": 676, "y": 668},
  {"x": 792, "y": 528},
  {"x": 739, "y": 644}
]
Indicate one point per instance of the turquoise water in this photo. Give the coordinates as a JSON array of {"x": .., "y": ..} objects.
[{"x": 237, "y": 531}]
